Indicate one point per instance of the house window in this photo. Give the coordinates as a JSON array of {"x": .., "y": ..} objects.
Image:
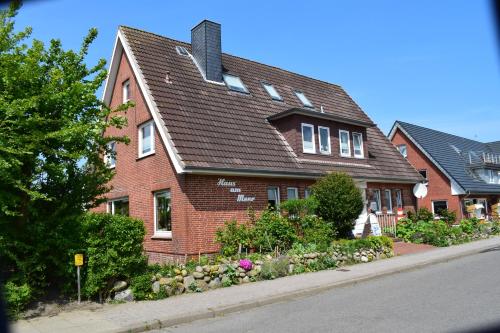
[
  {"x": 300, "y": 95},
  {"x": 423, "y": 173},
  {"x": 118, "y": 206},
  {"x": 146, "y": 139},
  {"x": 126, "y": 91},
  {"x": 272, "y": 91},
  {"x": 308, "y": 145},
  {"x": 234, "y": 83},
  {"x": 376, "y": 204},
  {"x": 357, "y": 143},
  {"x": 292, "y": 193},
  {"x": 324, "y": 140},
  {"x": 399, "y": 199},
  {"x": 163, "y": 214},
  {"x": 438, "y": 206},
  {"x": 388, "y": 200},
  {"x": 273, "y": 197},
  {"x": 345, "y": 145},
  {"x": 402, "y": 150},
  {"x": 307, "y": 192},
  {"x": 110, "y": 156}
]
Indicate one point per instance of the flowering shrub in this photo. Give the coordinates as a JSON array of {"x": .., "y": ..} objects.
[{"x": 246, "y": 264}]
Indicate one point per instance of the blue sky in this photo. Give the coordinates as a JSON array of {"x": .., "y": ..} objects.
[{"x": 432, "y": 63}]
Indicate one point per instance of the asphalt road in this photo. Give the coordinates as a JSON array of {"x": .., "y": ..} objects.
[{"x": 457, "y": 296}]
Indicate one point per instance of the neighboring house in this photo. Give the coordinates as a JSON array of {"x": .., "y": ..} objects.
[
  {"x": 463, "y": 175},
  {"x": 213, "y": 135}
]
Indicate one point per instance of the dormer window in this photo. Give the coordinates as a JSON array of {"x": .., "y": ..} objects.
[
  {"x": 272, "y": 92},
  {"x": 324, "y": 140},
  {"x": 126, "y": 91},
  {"x": 345, "y": 145},
  {"x": 357, "y": 143},
  {"x": 300, "y": 95},
  {"x": 308, "y": 145},
  {"x": 234, "y": 83}
]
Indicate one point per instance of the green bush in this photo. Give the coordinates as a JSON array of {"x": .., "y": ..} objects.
[
  {"x": 114, "y": 251},
  {"x": 447, "y": 216},
  {"x": 298, "y": 208},
  {"x": 17, "y": 297},
  {"x": 316, "y": 231},
  {"x": 233, "y": 237},
  {"x": 273, "y": 231},
  {"x": 142, "y": 287},
  {"x": 369, "y": 243},
  {"x": 423, "y": 214},
  {"x": 339, "y": 202},
  {"x": 275, "y": 268}
]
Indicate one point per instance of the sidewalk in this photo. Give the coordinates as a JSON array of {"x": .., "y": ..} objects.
[{"x": 141, "y": 316}]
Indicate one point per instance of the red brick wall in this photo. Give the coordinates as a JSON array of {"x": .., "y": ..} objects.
[
  {"x": 439, "y": 187},
  {"x": 291, "y": 128}
]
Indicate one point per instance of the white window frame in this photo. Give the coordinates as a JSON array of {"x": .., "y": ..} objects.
[
  {"x": 313, "y": 151},
  {"x": 112, "y": 202},
  {"x": 308, "y": 192},
  {"x": 277, "y": 191},
  {"x": 399, "y": 198},
  {"x": 379, "y": 200},
  {"x": 269, "y": 88},
  {"x": 348, "y": 143},
  {"x": 161, "y": 233},
  {"x": 295, "y": 189},
  {"x": 241, "y": 89},
  {"x": 126, "y": 91},
  {"x": 361, "y": 148},
  {"x": 107, "y": 157},
  {"x": 398, "y": 147},
  {"x": 303, "y": 99},
  {"x": 389, "y": 209},
  {"x": 432, "y": 205},
  {"x": 140, "y": 144},
  {"x": 329, "y": 151}
]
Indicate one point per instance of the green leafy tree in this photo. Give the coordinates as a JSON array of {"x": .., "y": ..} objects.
[
  {"x": 51, "y": 148},
  {"x": 339, "y": 202}
]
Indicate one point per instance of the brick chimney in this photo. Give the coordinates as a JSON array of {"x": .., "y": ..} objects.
[{"x": 206, "y": 49}]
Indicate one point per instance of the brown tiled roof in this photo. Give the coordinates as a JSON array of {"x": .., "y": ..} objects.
[{"x": 212, "y": 127}]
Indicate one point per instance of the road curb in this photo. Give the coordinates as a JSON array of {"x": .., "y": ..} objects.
[{"x": 224, "y": 310}]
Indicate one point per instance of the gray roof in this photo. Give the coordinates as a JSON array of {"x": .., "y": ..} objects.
[{"x": 451, "y": 153}]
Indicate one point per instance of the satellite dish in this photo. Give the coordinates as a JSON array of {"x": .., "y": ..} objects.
[{"x": 420, "y": 190}]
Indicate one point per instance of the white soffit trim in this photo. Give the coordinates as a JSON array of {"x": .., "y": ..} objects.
[
  {"x": 121, "y": 45},
  {"x": 456, "y": 189}
]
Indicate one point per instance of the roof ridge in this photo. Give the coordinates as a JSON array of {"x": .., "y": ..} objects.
[{"x": 235, "y": 56}]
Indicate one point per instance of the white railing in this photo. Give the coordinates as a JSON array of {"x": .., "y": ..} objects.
[{"x": 387, "y": 224}]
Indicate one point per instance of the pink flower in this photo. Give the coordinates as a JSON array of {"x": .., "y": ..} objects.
[{"x": 246, "y": 264}]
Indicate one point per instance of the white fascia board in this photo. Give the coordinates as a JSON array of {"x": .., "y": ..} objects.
[
  {"x": 121, "y": 45},
  {"x": 455, "y": 187}
]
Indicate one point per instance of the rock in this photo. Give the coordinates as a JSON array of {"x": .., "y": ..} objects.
[
  {"x": 258, "y": 268},
  {"x": 119, "y": 286},
  {"x": 241, "y": 270},
  {"x": 207, "y": 279},
  {"x": 199, "y": 269},
  {"x": 184, "y": 272},
  {"x": 202, "y": 285},
  {"x": 235, "y": 265},
  {"x": 222, "y": 269},
  {"x": 198, "y": 275},
  {"x": 126, "y": 295},
  {"x": 252, "y": 273},
  {"x": 258, "y": 262},
  {"x": 383, "y": 256},
  {"x": 243, "y": 274},
  {"x": 215, "y": 283},
  {"x": 177, "y": 271},
  {"x": 364, "y": 259},
  {"x": 290, "y": 268},
  {"x": 156, "y": 287},
  {"x": 188, "y": 280},
  {"x": 179, "y": 278},
  {"x": 246, "y": 279},
  {"x": 214, "y": 268},
  {"x": 269, "y": 257},
  {"x": 179, "y": 289},
  {"x": 206, "y": 268},
  {"x": 164, "y": 281}
]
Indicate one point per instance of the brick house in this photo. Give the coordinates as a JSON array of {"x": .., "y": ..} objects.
[
  {"x": 213, "y": 135},
  {"x": 463, "y": 175}
]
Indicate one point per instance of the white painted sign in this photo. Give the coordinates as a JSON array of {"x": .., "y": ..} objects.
[
  {"x": 222, "y": 182},
  {"x": 226, "y": 183},
  {"x": 376, "y": 231},
  {"x": 244, "y": 198}
]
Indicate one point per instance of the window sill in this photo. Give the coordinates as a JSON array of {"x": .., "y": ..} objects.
[
  {"x": 162, "y": 236},
  {"x": 145, "y": 155},
  {"x": 309, "y": 152},
  {"x": 326, "y": 153}
]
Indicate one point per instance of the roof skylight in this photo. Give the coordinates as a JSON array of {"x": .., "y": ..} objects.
[
  {"x": 182, "y": 50},
  {"x": 234, "y": 83},
  {"x": 272, "y": 91},
  {"x": 300, "y": 95}
]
